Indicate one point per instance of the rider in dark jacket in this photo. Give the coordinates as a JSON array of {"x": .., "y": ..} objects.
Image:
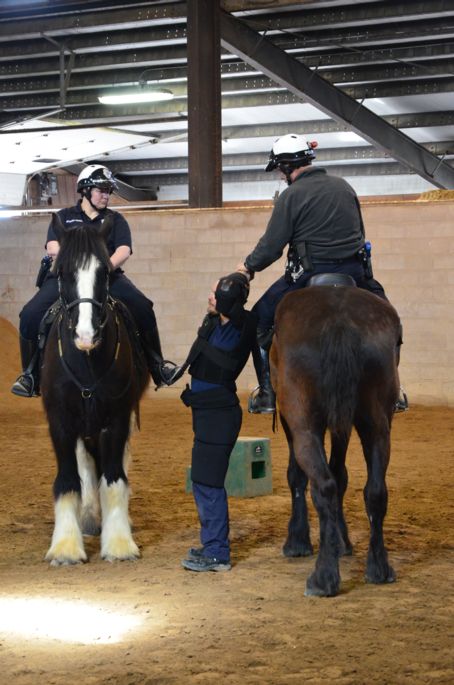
[
  {"x": 95, "y": 184},
  {"x": 319, "y": 218}
]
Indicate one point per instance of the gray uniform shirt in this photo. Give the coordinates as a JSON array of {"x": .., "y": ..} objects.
[{"x": 320, "y": 210}]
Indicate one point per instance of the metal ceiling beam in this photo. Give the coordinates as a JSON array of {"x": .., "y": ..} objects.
[
  {"x": 252, "y": 92},
  {"x": 173, "y": 179},
  {"x": 300, "y": 80},
  {"x": 310, "y": 128},
  {"x": 91, "y": 21},
  {"x": 100, "y": 61},
  {"x": 416, "y": 120},
  {"x": 131, "y": 74},
  {"x": 346, "y": 155},
  {"x": 353, "y": 14}
]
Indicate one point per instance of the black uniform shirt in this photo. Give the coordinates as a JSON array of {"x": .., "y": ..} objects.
[
  {"x": 74, "y": 216},
  {"x": 321, "y": 210}
]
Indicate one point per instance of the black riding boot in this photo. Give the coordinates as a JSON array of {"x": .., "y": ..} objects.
[
  {"x": 27, "y": 384},
  {"x": 263, "y": 398},
  {"x": 161, "y": 370}
]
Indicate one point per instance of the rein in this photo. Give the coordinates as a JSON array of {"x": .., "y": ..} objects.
[{"x": 87, "y": 391}]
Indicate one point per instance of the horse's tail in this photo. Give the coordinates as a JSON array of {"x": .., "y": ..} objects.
[{"x": 341, "y": 368}]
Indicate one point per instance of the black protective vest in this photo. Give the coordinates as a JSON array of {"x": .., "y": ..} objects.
[{"x": 213, "y": 365}]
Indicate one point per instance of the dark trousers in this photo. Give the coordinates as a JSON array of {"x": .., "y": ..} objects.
[
  {"x": 265, "y": 307},
  {"x": 213, "y": 510},
  {"x": 216, "y": 422},
  {"x": 120, "y": 287}
]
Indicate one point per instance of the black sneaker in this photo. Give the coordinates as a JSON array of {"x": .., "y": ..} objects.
[
  {"x": 195, "y": 553},
  {"x": 25, "y": 386},
  {"x": 206, "y": 564}
]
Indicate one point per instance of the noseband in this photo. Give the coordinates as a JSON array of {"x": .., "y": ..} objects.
[{"x": 68, "y": 306}]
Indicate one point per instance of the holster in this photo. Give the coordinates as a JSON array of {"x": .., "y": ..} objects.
[{"x": 44, "y": 269}]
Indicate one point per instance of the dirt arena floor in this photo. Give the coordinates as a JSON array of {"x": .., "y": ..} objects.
[{"x": 152, "y": 623}]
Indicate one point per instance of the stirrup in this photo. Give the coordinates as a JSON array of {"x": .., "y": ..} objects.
[
  {"x": 24, "y": 386},
  {"x": 170, "y": 372},
  {"x": 254, "y": 402}
]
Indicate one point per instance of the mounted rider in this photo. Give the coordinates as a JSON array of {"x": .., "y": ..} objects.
[
  {"x": 95, "y": 185},
  {"x": 319, "y": 217}
]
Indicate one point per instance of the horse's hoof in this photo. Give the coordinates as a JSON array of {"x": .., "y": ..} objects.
[
  {"x": 91, "y": 528},
  {"x": 120, "y": 550},
  {"x": 347, "y": 551},
  {"x": 59, "y": 556},
  {"x": 66, "y": 562},
  {"x": 315, "y": 589},
  {"x": 388, "y": 576},
  {"x": 297, "y": 550},
  {"x": 113, "y": 557}
]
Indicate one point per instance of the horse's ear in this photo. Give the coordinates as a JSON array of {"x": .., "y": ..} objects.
[
  {"x": 106, "y": 227},
  {"x": 57, "y": 226}
]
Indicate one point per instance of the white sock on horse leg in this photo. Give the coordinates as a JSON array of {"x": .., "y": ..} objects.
[
  {"x": 116, "y": 537},
  {"x": 67, "y": 546}
]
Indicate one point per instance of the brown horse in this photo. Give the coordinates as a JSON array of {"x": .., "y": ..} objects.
[{"x": 334, "y": 365}]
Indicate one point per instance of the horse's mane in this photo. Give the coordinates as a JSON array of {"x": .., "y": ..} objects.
[{"x": 78, "y": 245}]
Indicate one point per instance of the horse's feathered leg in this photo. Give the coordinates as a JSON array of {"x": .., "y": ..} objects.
[
  {"x": 339, "y": 445},
  {"x": 90, "y": 511},
  {"x": 67, "y": 546},
  {"x": 116, "y": 536},
  {"x": 375, "y": 439},
  {"x": 298, "y": 543}
]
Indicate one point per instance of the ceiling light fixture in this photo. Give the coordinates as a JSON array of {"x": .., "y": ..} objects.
[{"x": 135, "y": 95}]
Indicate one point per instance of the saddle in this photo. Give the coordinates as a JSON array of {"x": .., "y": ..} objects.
[{"x": 333, "y": 279}]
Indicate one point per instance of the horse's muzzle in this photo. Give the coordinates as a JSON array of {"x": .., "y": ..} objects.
[{"x": 86, "y": 344}]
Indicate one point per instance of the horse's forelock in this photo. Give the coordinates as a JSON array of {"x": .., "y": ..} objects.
[{"x": 78, "y": 245}]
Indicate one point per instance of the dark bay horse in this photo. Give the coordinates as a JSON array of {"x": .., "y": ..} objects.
[
  {"x": 334, "y": 365},
  {"x": 93, "y": 376}
]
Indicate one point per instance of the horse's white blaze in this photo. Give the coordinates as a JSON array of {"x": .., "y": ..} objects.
[
  {"x": 91, "y": 510},
  {"x": 67, "y": 546},
  {"x": 85, "y": 282},
  {"x": 116, "y": 536}
]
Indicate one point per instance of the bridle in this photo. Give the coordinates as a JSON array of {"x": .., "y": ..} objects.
[
  {"x": 102, "y": 306},
  {"x": 106, "y": 307}
]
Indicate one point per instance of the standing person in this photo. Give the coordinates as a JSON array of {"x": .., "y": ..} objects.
[
  {"x": 217, "y": 357},
  {"x": 95, "y": 185},
  {"x": 319, "y": 217}
]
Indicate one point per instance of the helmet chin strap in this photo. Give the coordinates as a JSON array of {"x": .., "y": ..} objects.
[
  {"x": 287, "y": 170},
  {"x": 87, "y": 193}
]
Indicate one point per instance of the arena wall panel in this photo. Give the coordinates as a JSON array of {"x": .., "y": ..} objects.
[{"x": 179, "y": 254}]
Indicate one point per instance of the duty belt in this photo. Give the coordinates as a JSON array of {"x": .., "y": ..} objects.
[{"x": 345, "y": 260}]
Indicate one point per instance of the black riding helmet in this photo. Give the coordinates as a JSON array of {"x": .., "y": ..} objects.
[{"x": 231, "y": 295}]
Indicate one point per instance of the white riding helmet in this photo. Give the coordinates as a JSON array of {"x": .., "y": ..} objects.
[
  {"x": 292, "y": 151},
  {"x": 96, "y": 176}
]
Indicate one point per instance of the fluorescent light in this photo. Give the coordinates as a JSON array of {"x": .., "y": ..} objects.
[{"x": 130, "y": 96}]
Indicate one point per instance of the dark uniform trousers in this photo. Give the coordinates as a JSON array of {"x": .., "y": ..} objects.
[
  {"x": 120, "y": 287},
  {"x": 265, "y": 307},
  {"x": 216, "y": 422}
]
